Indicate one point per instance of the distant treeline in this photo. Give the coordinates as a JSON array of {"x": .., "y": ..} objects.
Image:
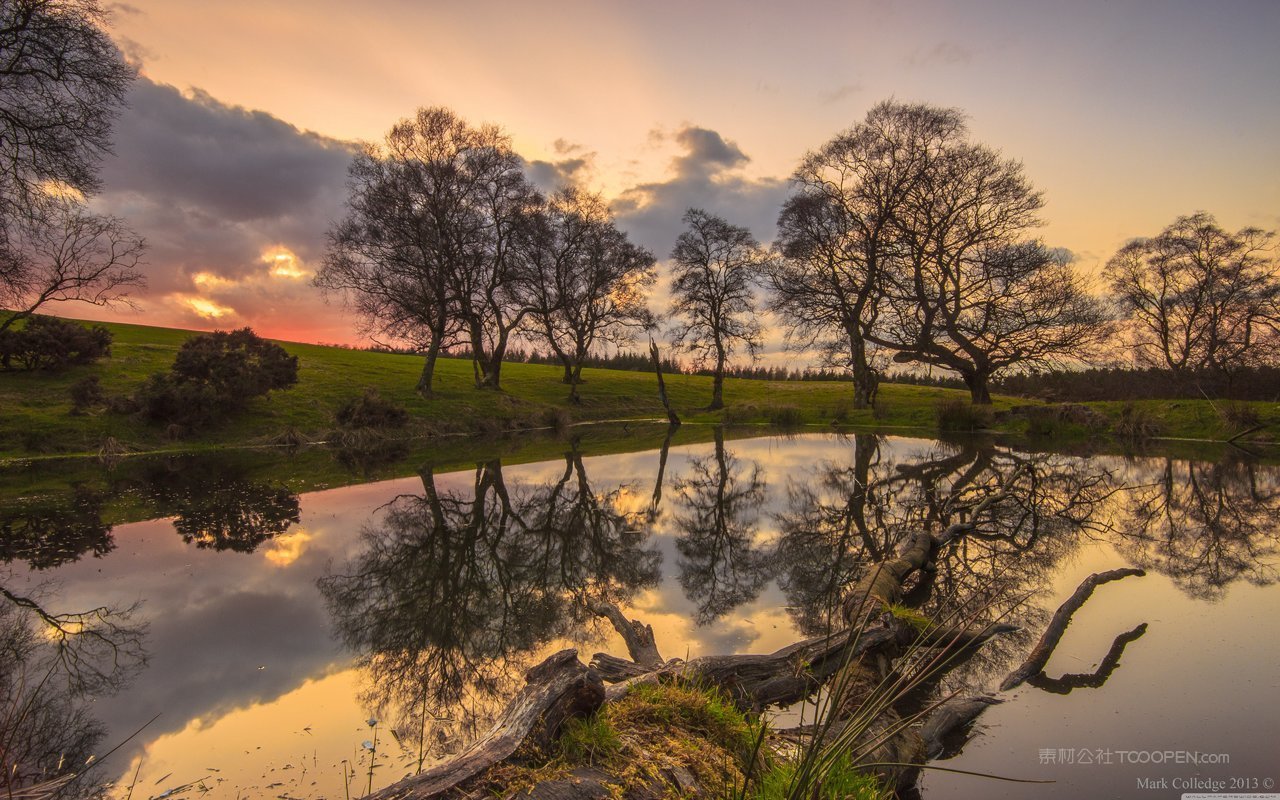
[{"x": 1252, "y": 383}]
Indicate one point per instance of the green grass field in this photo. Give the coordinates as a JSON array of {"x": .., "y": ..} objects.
[{"x": 35, "y": 407}]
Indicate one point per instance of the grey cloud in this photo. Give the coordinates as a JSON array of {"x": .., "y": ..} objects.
[
  {"x": 211, "y": 186},
  {"x": 943, "y": 53},
  {"x": 241, "y": 165},
  {"x": 705, "y": 152},
  {"x": 841, "y": 92},
  {"x": 702, "y": 178},
  {"x": 551, "y": 175}
]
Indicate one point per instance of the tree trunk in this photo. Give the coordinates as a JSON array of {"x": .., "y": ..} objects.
[
  {"x": 979, "y": 392},
  {"x": 662, "y": 386},
  {"x": 429, "y": 368},
  {"x": 717, "y": 392},
  {"x": 573, "y": 378},
  {"x": 865, "y": 379}
]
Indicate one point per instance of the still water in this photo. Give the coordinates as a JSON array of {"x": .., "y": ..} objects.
[{"x": 238, "y": 638}]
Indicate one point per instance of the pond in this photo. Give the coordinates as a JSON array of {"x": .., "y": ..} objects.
[{"x": 232, "y": 635}]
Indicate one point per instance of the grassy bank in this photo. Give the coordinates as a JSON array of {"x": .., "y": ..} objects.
[{"x": 35, "y": 407}]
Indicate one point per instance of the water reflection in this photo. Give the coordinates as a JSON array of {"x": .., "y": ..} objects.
[
  {"x": 455, "y": 590},
  {"x": 47, "y": 532},
  {"x": 718, "y": 502},
  {"x": 218, "y": 509},
  {"x": 1205, "y": 525},
  {"x": 53, "y": 667},
  {"x": 445, "y": 587}
]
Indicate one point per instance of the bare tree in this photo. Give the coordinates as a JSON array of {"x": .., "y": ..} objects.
[
  {"x": 1200, "y": 298},
  {"x": 712, "y": 302},
  {"x": 62, "y": 82},
  {"x": 905, "y": 236},
  {"x": 968, "y": 291},
  {"x": 837, "y": 232},
  {"x": 71, "y": 255},
  {"x": 406, "y": 232},
  {"x": 1016, "y": 305},
  {"x": 590, "y": 281},
  {"x": 436, "y": 239},
  {"x": 492, "y": 289}
]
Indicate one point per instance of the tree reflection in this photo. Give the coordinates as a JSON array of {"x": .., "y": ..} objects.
[
  {"x": 219, "y": 509},
  {"x": 1206, "y": 525},
  {"x": 52, "y": 666},
  {"x": 718, "y": 506},
  {"x": 1018, "y": 515},
  {"x": 455, "y": 591},
  {"x": 47, "y": 533}
]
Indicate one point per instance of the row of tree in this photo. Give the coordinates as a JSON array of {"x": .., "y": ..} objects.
[
  {"x": 446, "y": 241},
  {"x": 902, "y": 241}
]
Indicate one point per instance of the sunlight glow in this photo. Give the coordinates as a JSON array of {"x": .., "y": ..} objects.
[
  {"x": 208, "y": 280},
  {"x": 287, "y": 548},
  {"x": 204, "y": 307},
  {"x": 284, "y": 263}
]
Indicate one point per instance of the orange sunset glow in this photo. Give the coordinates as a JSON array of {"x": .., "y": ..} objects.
[{"x": 233, "y": 152}]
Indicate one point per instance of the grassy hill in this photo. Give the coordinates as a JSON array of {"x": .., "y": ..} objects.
[{"x": 35, "y": 407}]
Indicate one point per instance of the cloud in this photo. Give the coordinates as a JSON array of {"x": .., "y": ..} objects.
[
  {"x": 947, "y": 54},
  {"x": 841, "y": 92},
  {"x": 551, "y": 175},
  {"x": 705, "y": 152},
  {"x": 702, "y": 175},
  {"x": 219, "y": 191}
]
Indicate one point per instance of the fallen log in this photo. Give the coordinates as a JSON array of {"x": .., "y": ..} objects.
[
  {"x": 947, "y": 727},
  {"x": 1039, "y": 655},
  {"x": 559, "y": 688}
]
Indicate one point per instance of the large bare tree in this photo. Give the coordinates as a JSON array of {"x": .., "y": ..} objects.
[
  {"x": 590, "y": 280},
  {"x": 713, "y": 306},
  {"x": 837, "y": 232},
  {"x": 62, "y": 82},
  {"x": 1199, "y": 298},
  {"x": 433, "y": 245},
  {"x": 905, "y": 236}
]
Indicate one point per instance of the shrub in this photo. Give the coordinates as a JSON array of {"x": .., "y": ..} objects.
[
  {"x": 86, "y": 393},
  {"x": 784, "y": 416},
  {"x": 1241, "y": 416},
  {"x": 1135, "y": 423},
  {"x": 739, "y": 413},
  {"x": 215, "y": 374},
  {"x": 957, "y": 415},
  {"x": 50, "y": 343},
  {"x": 371, "y": 410},
  {"x": 236, "y": 365}
]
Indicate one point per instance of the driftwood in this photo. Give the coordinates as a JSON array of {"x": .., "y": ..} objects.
[
  {"x": 637, "y": 635},
  {"x": 946, "y": 728},
  {"x": 559, "y": 688},
  {"x": 1039, "y": 655},
  {"x": 1090, "y": 680}
]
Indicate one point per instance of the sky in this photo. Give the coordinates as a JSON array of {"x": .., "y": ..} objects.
[{"x": 231, "y": 157}]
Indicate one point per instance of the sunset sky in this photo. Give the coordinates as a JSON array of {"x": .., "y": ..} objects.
[{"x": 231, "y": 158}]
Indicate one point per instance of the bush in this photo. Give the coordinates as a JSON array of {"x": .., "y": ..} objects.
[
  {"x": 86, "y": 393},
  {"x": 740, "y": 413},
  {"x": 215, "y": 374},
  {"x": 784, "y": 416},
  {"x": 1135, "y": 423},
  {"x": 236, "y": 365},
  {"x": 958, "y": 415},
  {"x": 1240, "y": 416},
  {"x": 370, "y": 410},
  {"x": 50, "y": 343}
]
